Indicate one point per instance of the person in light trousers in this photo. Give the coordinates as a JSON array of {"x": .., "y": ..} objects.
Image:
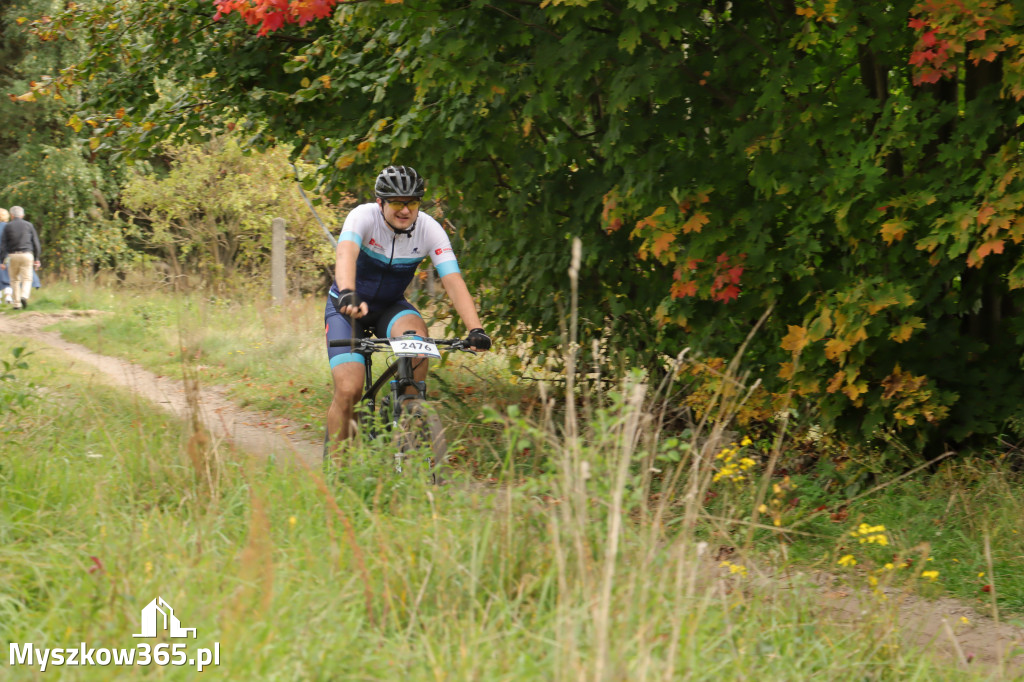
[{"x": 20, "y": 251}]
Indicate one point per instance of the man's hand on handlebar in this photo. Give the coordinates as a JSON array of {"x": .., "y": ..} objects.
[
  {"x": 349, "y": 303},
  {"x": 478, "y": 339}
]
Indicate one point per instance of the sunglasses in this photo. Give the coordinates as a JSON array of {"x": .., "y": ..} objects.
[{"x": 411, "y": 204}]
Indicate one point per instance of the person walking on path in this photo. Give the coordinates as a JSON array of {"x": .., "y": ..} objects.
[
  {"x": 20, "y": 251},
  {"x": 5, "y": 280}
]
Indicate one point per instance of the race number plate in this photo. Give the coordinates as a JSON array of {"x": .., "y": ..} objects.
[{"x": 414, "y": 348}]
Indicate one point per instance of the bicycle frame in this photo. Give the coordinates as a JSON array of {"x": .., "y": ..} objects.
[
  {"x": 424, "y": 429},
  {"x": 403, "y": 369}
]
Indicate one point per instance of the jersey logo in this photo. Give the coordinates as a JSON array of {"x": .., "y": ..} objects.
[{"x": 438, "y": 252}]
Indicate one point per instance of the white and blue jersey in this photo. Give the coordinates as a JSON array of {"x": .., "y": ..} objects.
[
  {"x": 388, "y": 260},
  {"x": 385, "y": 266}
]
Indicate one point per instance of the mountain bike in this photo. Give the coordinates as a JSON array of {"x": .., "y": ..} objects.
[{"x": 406, "y": 424}]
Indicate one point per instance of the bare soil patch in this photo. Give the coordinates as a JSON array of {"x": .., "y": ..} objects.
[{"x": 256, "y": 432}]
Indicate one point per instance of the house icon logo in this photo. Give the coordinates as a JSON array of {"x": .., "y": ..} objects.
[{"x": 159, "y": 613}]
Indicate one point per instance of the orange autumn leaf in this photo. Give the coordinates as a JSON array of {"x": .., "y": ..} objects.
[
  {"x": 796, "y": 339},
  {"x": 893, "y": 231},
  {"x": 696, "y": 222},
  {"x": 834, "y": 348},
  {"x": 904, "y": 331},
  {"x": 853, "y": 391},
  {"x": 984, "y": 213},
  {"x": 661, "y": 244},
  {"x": 651, "y": 220},
  {"x": 684, "y": 289},
  {"x": 992, "y": 246}
]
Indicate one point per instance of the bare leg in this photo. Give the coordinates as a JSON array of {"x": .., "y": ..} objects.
[{"x": 348, "y": 385}]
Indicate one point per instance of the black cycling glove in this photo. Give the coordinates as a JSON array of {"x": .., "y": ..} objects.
[
  {"x": 478, "y": 339},
  {"x": 346, "y": 297}
]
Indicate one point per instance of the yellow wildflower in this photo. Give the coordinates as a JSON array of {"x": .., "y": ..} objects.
[
  {"x": 734, "y": 568},
  {"x": 847, "y": 560},
  {"x": 931, "y": 575}
]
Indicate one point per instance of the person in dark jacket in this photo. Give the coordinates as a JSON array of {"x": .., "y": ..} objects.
[
  {"x": 20, "y": 251},
  {"x": 5, "y": 280}
]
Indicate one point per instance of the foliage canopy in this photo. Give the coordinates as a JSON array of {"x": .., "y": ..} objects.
[{"x": 855, "y": 165}]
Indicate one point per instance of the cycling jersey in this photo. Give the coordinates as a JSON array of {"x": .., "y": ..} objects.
[{"x": 388, "y": 260}]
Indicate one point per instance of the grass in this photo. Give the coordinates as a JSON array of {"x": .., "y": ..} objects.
[
  {"x": 106, "y": 503},
  {"x": 577, "y": 568},
  {"x": 263, "y": 356},
  {"x": 946, "y": 516}
]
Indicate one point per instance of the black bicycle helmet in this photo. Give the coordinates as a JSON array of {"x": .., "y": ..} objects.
[{"x": 399, "y": 181}]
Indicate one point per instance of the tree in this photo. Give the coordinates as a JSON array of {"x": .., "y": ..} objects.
[
  {"x": 44, "y": 167},
  {"x": 211, "y": 214},
  {"x": 854, "y": 165}
]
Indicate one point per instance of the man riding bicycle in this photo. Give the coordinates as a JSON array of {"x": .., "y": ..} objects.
[{"x": 380, "y": 246}]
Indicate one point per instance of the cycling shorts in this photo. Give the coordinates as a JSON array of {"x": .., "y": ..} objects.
[{"x": 383, "y": 321}]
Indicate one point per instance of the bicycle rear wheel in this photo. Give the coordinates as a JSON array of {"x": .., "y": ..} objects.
[{"x": 419, "y": 442}]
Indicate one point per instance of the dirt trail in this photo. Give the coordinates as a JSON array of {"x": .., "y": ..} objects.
[
  {"x": 255, "y": 432},
  {"x": 949, "y": 628}
]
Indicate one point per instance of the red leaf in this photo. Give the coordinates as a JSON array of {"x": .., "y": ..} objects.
[
  {"x": 929, "y": 77},
  {"x": 727, "y": 294}
]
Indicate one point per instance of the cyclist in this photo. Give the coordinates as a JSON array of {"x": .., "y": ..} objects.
[{"x": 380, "y": 246}]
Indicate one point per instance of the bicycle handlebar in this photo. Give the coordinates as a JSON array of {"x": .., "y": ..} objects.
[{"x": 371, "y": 345}]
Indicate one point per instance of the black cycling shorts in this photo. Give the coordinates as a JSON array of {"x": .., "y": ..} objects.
[{"x": 383, "y": 321}]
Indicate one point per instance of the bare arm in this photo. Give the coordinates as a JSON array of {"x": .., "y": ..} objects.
[
  {"x": 345, "y": 275},
  {"x": 463, "y": 301}
]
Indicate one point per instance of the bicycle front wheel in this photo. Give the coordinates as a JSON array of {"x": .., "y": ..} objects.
[{"x": 420, "y": 442}]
